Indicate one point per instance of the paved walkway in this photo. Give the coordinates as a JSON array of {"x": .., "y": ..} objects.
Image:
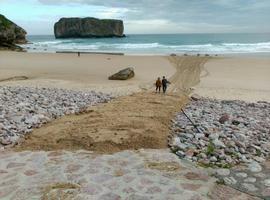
[{"x": 128, "y": 175}]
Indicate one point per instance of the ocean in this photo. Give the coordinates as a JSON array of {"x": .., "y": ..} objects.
[{"x": 157, "y": 44}]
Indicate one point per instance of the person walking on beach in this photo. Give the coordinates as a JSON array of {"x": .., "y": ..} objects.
[
  {"x": 158, "y": 85},
  {"x": 165, "y": 83}
]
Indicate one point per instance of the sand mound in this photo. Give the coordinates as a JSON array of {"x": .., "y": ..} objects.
[{"x": 131, "y": 122}]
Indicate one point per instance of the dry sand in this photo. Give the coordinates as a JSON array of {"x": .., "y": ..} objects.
[
  {"x": 243, "y": 78},
  {"x": 85, "y": 72}
]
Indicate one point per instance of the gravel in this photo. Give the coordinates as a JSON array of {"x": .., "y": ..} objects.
[
  {"x": 23, "y": 108},
  {"x": 226, "y": 133}
]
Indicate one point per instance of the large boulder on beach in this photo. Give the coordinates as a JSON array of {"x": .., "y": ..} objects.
[
  {"x": 124, "y": 74},
  {"x": 88, "y": 28},
  {"x": 11, "y": 34}
]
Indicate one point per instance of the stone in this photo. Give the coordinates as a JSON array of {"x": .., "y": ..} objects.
[
  {"x": 249, "y": 187},
  {"x": 223, "y": 192},
  {"x": 223, "y": 172},
  {"x": 181, "y": 154},
  {"x": 250, "y": 180},
  {"x": 218, "y": 143},
  {"x": 214, "y": 136},
  {"x": 15, "y": 165},
  {"x": 191, "y": 187},
  {"x": 229, "y": 181},
  {"x": 11, "y": 34},
  {"x": 5, "y": 141},
  {"x": 241, "y": 175},
  {"x": 213, "y": 159},
  {"x": 266, "y": 192},
  {"x": 110, "y": 196},
  {"x": 195, "y": 176},
  {"x": 224, "y": 118},
  {"x": 153, "y": 190},
  {"x": 124, "y": 74},
  {"x": 91, "y": 189},
  {"x": 255, "y": 167},
  {"x": 30, "y": 172},
  {"x": 195, "y": 97},
  {"x": 267, "y": 182},
  {"x": 88, "y": 28}
]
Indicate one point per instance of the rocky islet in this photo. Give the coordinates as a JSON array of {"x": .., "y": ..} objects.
[{"x": 88, "y": 27}]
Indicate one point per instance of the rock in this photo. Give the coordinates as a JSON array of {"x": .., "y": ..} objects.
[
  {"x": 235, "y": 122},
  {"x": 218, "y": 143},
  {"x": 229, "y": 181},
  {"x": 223, "y": 172},
  {"x": 11, "y": 34},
  {"x": 213, "y": 159},
  {"x": 214, "y": 136},
  {"x": 224, "y": 118},
  {"x": 267, "y": 182},
  {"x": 88, "y": 28},
  {"x": 255, "y": 167},
  {"x": 124, "y": 74},
  {"x": 241, "y": 175},
  {"x": 5, "y": 141},
  {"x": 250, "y": 180},
  {"x": 195, "y": 97},
  {"x": 181, "y": 154},
  {"x": 249, "y": 187}
]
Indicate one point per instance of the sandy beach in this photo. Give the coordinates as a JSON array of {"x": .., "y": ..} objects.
[
  {"x": 238, "y": 77},
  {"x": 243, "y": 78},
  {"x": 86, "y": 72}
]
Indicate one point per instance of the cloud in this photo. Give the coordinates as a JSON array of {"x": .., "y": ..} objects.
[{"x": 167, "y": 16}]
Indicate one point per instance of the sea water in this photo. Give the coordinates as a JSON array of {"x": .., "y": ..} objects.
[{"x": 157, "y": 44}]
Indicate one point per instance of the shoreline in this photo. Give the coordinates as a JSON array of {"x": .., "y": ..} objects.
[
  {"x": 223, "y": 77},
  {"x": 202, "y": 54}
]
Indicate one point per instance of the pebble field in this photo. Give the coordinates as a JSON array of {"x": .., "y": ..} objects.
[{"x": 25, "y": 108}]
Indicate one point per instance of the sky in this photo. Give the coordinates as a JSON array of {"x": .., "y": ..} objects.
[{"x": 37, "y": 17}]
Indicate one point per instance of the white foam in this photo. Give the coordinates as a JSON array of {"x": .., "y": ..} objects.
[{"x": 82, "y": 45}]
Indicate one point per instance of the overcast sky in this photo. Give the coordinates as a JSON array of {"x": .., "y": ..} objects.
[{"x": 145, "y": 16}]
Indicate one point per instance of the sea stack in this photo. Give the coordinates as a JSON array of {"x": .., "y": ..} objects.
[
  {"x": 88, "y": 28},
  {"x": 11, "y": 34}
]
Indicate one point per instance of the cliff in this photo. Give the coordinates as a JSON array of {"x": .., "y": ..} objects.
[
  {"x": 11, "y": 34},
  {"x": 88, "y": 28}
]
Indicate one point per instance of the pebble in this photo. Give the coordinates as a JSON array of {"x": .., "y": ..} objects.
[
  {"x": 230, "y": 180},
  {"x": 23, "y": 108},
  {"x": 242, "y": 136},
  {"x": 223, "y": 172},
  {"x": 249, "y": 187},
  {"x": 241, "y": 175},
  {"x": 250, "y": 180},
  {"x": 255, "y": 167},
  {"x": 267, "y": 182}
]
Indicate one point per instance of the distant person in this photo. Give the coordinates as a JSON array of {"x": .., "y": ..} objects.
[
  {"x": 79, "y": 54},
  {"x": 158, "y": 85},
  {"x": 165, "y": 83}
]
